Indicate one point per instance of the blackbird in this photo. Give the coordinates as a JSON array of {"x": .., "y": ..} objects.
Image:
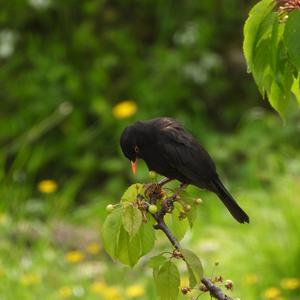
[{"x": 170, "y": 150}]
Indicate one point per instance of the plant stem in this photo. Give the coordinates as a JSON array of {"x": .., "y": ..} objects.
[{"x": 163, "y": 227}]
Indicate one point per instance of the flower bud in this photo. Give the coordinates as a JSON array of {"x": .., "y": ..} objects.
[{"x": 110, "y": 208}]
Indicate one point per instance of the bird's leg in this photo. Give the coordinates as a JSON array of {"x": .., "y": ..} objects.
[
  {"x": 164, "y": 181},
  {"x": 181, "y": 188}
]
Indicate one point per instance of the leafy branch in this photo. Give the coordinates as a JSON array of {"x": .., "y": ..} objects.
[
  {"x": 128, "y": 233},
  {"x": 214, "y": 290},
  {"x": 272, "y": 50}
]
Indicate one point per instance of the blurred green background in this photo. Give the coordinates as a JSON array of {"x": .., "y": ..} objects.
[{"x": 73, "y": 74}]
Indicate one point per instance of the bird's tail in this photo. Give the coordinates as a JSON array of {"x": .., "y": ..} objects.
[{"x": 229, "y": 202}]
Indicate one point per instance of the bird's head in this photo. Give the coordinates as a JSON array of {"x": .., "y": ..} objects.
[{"x": 130, "y": 145}]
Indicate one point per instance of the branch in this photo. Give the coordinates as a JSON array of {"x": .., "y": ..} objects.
[
  {"x": 214, "y": 291},
  {"x": 167, "y": 206},
  {"x": 163, "y": 227}
]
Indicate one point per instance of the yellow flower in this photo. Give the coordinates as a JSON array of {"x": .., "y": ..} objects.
[
  {"x": 124, "y": 109},
  {"x": 93, "y": 248},
  {"x": 98, "y": 287},
  {"x": 108, "y": 293},
  {"x": 30, "y": 279},
  {"x": 111, "y": 293},
  {"x": 65, "y": 292},
  {"x": 271, "y": 293},
  {"x": 47, "y": 186},
  {"x": 290, "y": 283},
  {"x": 251, "y": 278},
  {"x": 74, "y": 256},
  {"x": 135, "y": 290}
]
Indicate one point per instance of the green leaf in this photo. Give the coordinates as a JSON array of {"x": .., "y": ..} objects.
[
  {"x": 156, "y": 261},
  {"x": 167, "y": 281},
  {"x": 261, "y": 62},
  {"x": 266, "y": 55},
  {"x": 291, "y": 37},
  {"x": 192, "y": 215},
  {"x": 276, "y": 43},
  {"x": 147, "y": 236},
  {"x": 177, "y": 226},
  {"x": 194, "y": 266},
  {"x": 155, "y": 274},
  {"x": 279, "y": 87},
  {"x": 255, "y": 28},
  {"x": 296, "y": 88},
  {"x": 134, "y": 250},
  {"x": 129, "y": 248},
  {"x": 131, "y": 219},
  {"x": 110, "y": 232},
  {"x": 286, "y": 78},
  {"x": 277, "y": 99},
  {"x": 132, "y": 192}
]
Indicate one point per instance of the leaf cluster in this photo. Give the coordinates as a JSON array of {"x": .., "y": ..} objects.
[
  {"x": 128, "y": 234},
  {"x": 272, "y": 51},
  {"x": 125, "y": 236}
]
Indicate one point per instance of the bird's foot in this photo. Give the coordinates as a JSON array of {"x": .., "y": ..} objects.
[{"x": 164, "y": 181}]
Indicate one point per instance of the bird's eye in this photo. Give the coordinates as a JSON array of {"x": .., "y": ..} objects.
[{"x": 136, "y": 149}]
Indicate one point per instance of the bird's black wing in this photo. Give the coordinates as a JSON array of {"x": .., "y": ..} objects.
[
  {"x": 186, "y": 160},
  {"x": 186, "y": 155},
  {"x": 191, "y": 161}
]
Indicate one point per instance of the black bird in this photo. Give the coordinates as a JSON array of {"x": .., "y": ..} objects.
[{"x": 168, "y": 149}]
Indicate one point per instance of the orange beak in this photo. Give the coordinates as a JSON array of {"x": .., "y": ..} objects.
[{"x": 133, "y": 166}]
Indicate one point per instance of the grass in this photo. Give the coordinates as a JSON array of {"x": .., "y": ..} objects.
[{"x": 50, "y": 250}]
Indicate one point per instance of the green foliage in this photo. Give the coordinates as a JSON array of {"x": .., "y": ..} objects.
[
  {"x": 261, "y": 161},
  {"x": 147, "y": 236},
  {"x": 131, "y": 219},
  {"x": 272, "y": 51},
  {"x": 291, "y": 38},
  {"x": 132, "y": 193},
  {"x": 124, "y": 235},
  {"x": 167, "y": 281},
  {"x": 176, "y": 223},
  {"x": 69, "y": 67},
  {"x": 191, "y": 204},
  {"x": 128, "y": 248},
  {"x": 156, "y": 261},
  {"x": 254, "y": 29},
  {"x": 128, "y": 234},
  {"x": 194, "y": 266},
  {"x": 110, "y": 232}
]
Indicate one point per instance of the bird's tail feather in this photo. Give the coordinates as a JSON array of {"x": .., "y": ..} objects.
[{"x": 235, "y": 210}]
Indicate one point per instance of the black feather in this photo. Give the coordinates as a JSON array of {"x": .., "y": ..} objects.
[{"x": 229, "y": 202}]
